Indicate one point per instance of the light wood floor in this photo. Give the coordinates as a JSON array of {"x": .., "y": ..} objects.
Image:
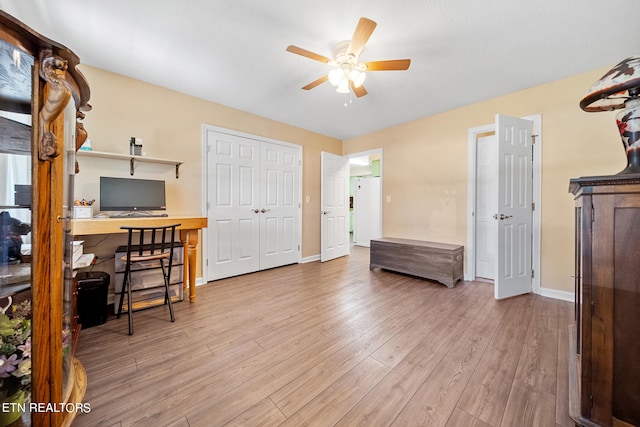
[{"x": 333, "y": 344}]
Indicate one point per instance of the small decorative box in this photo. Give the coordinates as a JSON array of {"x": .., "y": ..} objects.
[{"x": 83, "y": 211}]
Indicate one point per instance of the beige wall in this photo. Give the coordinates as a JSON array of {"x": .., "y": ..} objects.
[
  {"x": 170, "y": 125},
  {"x": 425, "y": 167},
  {"x": 425, "y": 161}
]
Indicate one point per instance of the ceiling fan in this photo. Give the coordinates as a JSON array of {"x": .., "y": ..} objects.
[{"x": 347, "y": 72}]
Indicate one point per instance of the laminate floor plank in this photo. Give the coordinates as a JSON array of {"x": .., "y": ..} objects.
[
  {"x": 208, "y": 394},
  {"x": 529, "y": 407},
  {"x": 387, "y": 399},
  {"x": 328, "y": 344},
  {"x": 486, "y": 394},
  {"x": 264, "y": 414},
  {"x": 539, "y": 358},
  {"x": 460, "y": 418},
  {"x": 435, "y": 400},
  {"x": 261, "y": 385},
  {"x": 565, "y": 318},
  {"x": 328, "y": 407},
  {"x": 304, "y": 388},
  {"x": 437, "y": 315}
]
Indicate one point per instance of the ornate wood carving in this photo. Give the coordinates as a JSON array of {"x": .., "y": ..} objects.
[
  {"x": 81, "y": 134},
  {"x": 53, "y": 70}
]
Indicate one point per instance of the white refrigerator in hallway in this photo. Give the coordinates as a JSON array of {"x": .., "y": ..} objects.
[{"x": 367, "y": 211}]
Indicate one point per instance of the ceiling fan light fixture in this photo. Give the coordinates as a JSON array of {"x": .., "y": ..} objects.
[
  {"x": 347, "y": 74},
  {"x": 343, "y": 86},
  {"x": 357, "y": 77},
  {"x": 336, "y": 76}
]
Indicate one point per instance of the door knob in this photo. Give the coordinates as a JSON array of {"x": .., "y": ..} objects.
[
  {"x": 502, "y": 216},
  {"x": 255, "y": 210},
  {"x": 265, "y": 210},
  {"x": 325, "y": 212}
]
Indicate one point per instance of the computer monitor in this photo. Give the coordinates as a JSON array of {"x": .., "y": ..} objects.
[{"x": 131, "y": 195}]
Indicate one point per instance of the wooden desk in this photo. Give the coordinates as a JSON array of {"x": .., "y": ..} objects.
[{"x": 190, "y": 225}]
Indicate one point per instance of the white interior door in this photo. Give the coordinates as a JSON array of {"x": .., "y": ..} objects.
[
  {"x": 368, "y": 209},
  {"x": 253, "y": 204},
  {"x": 279, "y": 205},
  {"x": 513, "y": 215},
  {"x": 486, "y": 200},
  {"x": 233, "y": 171},
  {"x": 334, "y": 226}
]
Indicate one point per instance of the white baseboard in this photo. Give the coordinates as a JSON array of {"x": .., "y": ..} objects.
[
  {"x": 311, "y": 258},
  {"x": 547, "y": 292},
  {"x": 561, "y": 295}
]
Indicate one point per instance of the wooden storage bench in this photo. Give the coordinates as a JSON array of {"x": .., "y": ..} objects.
[{"x": 436, "y": 261}]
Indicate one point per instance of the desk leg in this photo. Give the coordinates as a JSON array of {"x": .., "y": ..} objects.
[{"x": 189, "y": 240}]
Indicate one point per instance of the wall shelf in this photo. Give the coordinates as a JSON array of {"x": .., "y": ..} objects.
[{"x": 132, "y": 159}]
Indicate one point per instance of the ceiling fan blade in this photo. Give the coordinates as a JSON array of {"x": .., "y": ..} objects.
[
  {"x": 361, "y": 36},
  {"x": 316, "y": 82},
  {"x": 359, "y": 91},
  {"x": 391, "y": 65},
  {"x": 307, "y": 54}
]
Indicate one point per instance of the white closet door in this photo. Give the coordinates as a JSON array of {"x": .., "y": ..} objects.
[
  {"x": 234, "y": 217},
  {"x": 254, "y": 204},
  {"x": 279, "y": 205}
]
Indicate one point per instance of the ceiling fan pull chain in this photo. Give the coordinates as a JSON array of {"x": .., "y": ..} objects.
[{"x": 347, "y": 99}]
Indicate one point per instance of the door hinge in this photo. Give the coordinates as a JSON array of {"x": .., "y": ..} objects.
[
  {"x": 533, "y": 206},
  {"x": 298, "y": 248},
  {"x": 533, "y": 274},
  {"x": 593, "y": 308},
  {"x": 593, "y": 214},
  {"x": 533, "y": 138}
]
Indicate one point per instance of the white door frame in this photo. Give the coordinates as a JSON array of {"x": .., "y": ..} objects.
[
  {"x": 472, "y": 136},
  {"x": 369, "y": 153},
  {"x": 205, "y": 183}
]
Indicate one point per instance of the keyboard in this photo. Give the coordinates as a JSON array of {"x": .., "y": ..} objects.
[{"x": 138, "y": 215}]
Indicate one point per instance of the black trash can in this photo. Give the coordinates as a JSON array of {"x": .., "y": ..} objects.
[{"x": 93, "y": 289}]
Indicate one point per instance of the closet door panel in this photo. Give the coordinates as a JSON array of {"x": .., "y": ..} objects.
[
  {"x": 233, "y": 171},
  {"x": 279, "y": 235}
]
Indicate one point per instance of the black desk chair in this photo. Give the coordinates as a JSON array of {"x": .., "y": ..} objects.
[{"x": 153, "y": 244}]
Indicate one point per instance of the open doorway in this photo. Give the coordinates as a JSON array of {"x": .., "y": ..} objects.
[
  {"x": 480, "y": 192},
  {"x": 365, "y": 197}
]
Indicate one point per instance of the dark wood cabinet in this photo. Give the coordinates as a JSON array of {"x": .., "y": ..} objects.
[{"x": 607, "y": 350}]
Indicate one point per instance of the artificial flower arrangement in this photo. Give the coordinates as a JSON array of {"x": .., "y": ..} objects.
[{"x": 15, "y": 350}]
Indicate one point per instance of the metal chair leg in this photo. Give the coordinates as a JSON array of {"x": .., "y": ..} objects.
[
  {"x": 167, "y": 294},
  {"x": 129, "y": 306},
  {"x": 124, "y": 286}
]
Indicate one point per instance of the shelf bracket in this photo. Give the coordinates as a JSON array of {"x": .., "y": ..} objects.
[
  {"x": 178, "y": 170},
  {"x": 132, "y": 165}
]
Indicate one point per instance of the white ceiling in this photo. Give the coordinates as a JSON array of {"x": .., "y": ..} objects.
[{"x": 233, "y": 52}]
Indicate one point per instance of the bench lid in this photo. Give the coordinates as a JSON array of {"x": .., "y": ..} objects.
[{"x": 421, "y": 243}]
